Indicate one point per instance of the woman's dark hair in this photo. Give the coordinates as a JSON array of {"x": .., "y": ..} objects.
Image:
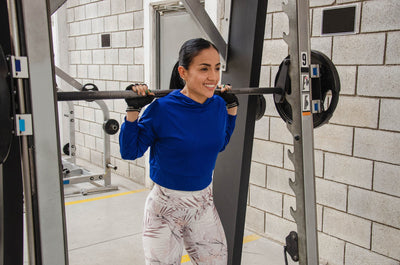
[{"x": 188, "y": 51}]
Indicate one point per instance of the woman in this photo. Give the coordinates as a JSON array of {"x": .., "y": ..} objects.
[{"x": 185, "y": 131}]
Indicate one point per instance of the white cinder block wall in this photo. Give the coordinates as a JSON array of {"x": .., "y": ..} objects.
[{"x": 357, "y": 157}]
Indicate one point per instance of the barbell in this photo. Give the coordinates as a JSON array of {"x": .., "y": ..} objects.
[{"x": 325, "y": 86}]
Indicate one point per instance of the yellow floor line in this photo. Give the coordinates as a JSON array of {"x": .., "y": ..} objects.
[
  {"x": 105, "y": 197},
  {"x": 246, "y": 239}
]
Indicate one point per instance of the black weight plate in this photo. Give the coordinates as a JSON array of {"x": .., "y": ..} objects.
[
  {"x": 330, "y": 84},
  {"x": 261, "y": 106},
  {"x": 5, "y": 110},
  {"x": 111, "y": 126}
]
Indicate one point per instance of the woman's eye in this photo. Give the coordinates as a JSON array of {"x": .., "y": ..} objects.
[
  {"x": 218, "y": 69},
  {"x": 203, "y": 69}
]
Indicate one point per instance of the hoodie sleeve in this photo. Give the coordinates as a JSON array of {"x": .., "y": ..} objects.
[
  {"x": 136, "y": 137},
  {"x": 230, "y": 127}
]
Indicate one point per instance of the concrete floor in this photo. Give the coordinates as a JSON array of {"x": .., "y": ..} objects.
[{"x": 105, "y": 229}]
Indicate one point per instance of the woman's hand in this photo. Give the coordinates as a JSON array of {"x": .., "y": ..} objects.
[
  {"x": 231, "y": 100},
  {"x": 136, "y": 104}
]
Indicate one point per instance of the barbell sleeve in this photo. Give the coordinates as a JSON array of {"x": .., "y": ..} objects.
[{"x": 98, "y": 95}]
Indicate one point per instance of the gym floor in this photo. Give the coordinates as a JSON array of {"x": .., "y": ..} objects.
[{"x": 105, "y": 228}]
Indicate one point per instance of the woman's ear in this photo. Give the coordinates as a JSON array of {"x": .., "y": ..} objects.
[{"x": 182, "y": 72}]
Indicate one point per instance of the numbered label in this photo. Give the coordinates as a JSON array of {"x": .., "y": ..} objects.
[{"x": 304, "y": 59}]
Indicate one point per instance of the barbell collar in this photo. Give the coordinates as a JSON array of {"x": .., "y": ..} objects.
[{"x": 98, "y": 95}]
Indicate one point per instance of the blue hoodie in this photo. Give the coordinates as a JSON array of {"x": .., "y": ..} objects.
[{"x": 184, "y": 136}]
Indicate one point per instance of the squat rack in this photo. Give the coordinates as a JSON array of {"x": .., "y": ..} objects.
[{"x": 243, "y": 52}]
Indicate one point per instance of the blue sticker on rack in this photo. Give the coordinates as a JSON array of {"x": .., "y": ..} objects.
[
  {"x": 22, "y": 125},
  {"x": 66, "y": 182}
]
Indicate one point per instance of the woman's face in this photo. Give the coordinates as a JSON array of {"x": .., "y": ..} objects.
[{"x": 202, "y": 76}]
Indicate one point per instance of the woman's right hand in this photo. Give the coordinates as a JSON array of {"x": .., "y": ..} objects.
[{"x": 136, "y": 104}]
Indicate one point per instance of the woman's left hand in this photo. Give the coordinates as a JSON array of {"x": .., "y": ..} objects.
[{"x": 231, "y": 100}]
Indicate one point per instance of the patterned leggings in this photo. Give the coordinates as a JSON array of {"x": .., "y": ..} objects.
[{"x": 174, "y": 219}]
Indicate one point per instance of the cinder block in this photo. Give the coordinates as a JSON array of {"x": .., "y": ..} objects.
[
  {"x": 361, "y": 256},
  {"x": 96, "y": 129},
  {"x": 135, "y": 73},
  {"x": 318, "y": 163},
  {"x": 255, "y": 219},
  {"x": 125, "y": 21},
  {"x": 349, "y": 170},
  {"x": 106, "y": 72},
  {"x": 270, "y": 109},
  {"x": 321, "y": 2},
  {"x": 266, "y": 200},
  {"x": 347, "y": 75},
  {"x": 72, "y": 3},
  {"x": 98, "y": 25},
  {"x": 75, "y": 57},
  {"x": 265, "y": 76},
  {"x": 139, "y": 56},
  {"x": 334, "y": 138},
  {"x": 70, "y": 15},
  {"x": 83, "y": 152},
  {"x": 114, "y": 150},
  {"x": 274, "y": 51},
  {"x": 134, "y": 38},
  {"x": 268, "y": 26},
  {"x": 138, "y": 20},
  {"x": 359, "y": 49},
  {"x": 92, "y": 42},
  {"x": 331, "y": 194},
  {"x": 86, "y": 57},
  {"x": 126, "y": 56},
  {"x": 316, "y": 22},
  {"x": 79, "y": 138},
  {"x": 386, "y": 178},
  {"x": 94, "y": 71},
  {"x": 80, "y": 43},
  {"x": 111, "y": 56},
  {"x": 111, "y": 23},
  {"x": 91, "y": 10},
  {"x": 74, "y": 29},
  {"x": 278, "y": 228},
  {"x": 261, "y": 129},
  {"x": 357, "y": 111},
  {"x": 267, "y": 153},
  {"x": 96, "y": 157},
  {"x": 98, "y": 57},
  {"x": 99, "y": 144},
  {"x": 346, "y": 1},
  {"x": 378, "y": 81},
  {"x": 85, "y": 27},
  {"x": 280, "y": 24},
  {"x": 331, "y": 249},
  {"x": 393, "y": 48},
  {"x": 347, "y": 227},
  {"x": 71, "y": 43},
  {"x": 79, "y": 13},
  {"x": 322, "y": 44},
  {"x": 278, "y": 180},
  {"x": 118, "y": 40},
  {"x": 117, "y": 6},
  {"x": 137, "y": 173},
  {"x": 84, "y": 127},
  {"x": 134, "y": 5},
  {"x": 88, "y": 114},
  {"x": 377, "y": 145},
  {"x": 374, "y": 206},
  {"x": 388, "y": 117},
  {"x": 82, "y": 71},
  {"x": 258, "y": 174},
  {"x": 120, "y": 72},
  {"x": 380, "y": 15},
  {"x": 122, "y": 167},
  {"x": 274, "y": 6},
  {"x": 385, "y": 240},
  {"x": 279, "y": 131},
  {"x": 104, "y": 8}
]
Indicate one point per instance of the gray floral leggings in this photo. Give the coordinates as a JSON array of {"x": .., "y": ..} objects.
[{"x": 174, "y": 219}]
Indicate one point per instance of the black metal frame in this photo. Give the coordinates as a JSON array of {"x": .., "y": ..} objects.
[{"x": 231, "y": 177}]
